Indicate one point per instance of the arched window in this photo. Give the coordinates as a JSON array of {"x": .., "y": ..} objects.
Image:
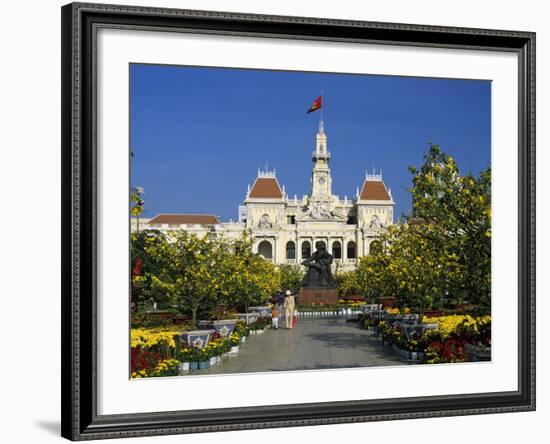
[
  {"x": 337, "y": 250},
  {"x": 375, "y": 247},
  {"x": 290, "y": 250},
  {"x": 306, "y": 250},
  {"x": 265, "y": 249},
  {"x": 352, "y": 253}
]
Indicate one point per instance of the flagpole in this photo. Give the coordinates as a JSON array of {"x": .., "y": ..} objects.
[{"x": 322, "y": 106}]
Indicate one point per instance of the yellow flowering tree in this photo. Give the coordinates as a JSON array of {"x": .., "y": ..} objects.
[
  {"x": 149, "y": 255},
  {"x": 249, "y": 279},
  {"x": 417, "y": 272},
  {"x": 290, "y": 277},
  {"x": 375, "y": 277},
  {"x": 193, "y": 273},
  {"x": 347, "y": 283},
  {"x": 443, "y": 252},
  {"x": 460, "y": 209}
]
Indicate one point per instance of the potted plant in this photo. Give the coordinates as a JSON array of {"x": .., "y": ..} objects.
[
  {"x": 184, "y": 358},
  {"x": 217, "y": 347},
  {"x": 242, "y": 330},
  {"x": 192, "y": 354},
  {"x": 235, "y": 341},
  {"x": 204, "y": 358},
  {"x": 226, "y": 347}
]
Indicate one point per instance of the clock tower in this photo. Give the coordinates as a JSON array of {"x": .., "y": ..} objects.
[{"x": 321, "y": 182}]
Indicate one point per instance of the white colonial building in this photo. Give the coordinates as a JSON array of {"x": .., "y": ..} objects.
[{"x": 286, "y": 229}]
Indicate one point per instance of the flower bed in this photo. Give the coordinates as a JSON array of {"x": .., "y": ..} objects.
[
  {"x": 159, "y": 351},
  {"x": 448, "y": 343},
  {"x": 452, "y": 339},
  {"x": 153, "y": 353}
]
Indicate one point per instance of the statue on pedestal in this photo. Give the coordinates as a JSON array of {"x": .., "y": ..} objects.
[{"x": 319, "y": 273}]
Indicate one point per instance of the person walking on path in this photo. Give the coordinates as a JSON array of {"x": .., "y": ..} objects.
[
  {"x": 290, "y": 305},
  {"x": 281, "y": 301},
  {"x": 275, "y": 313}
]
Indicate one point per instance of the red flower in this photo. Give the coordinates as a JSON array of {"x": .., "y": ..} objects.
[
  {"x": 143, "y": 359},
  {"x": 136, "y": 270}
]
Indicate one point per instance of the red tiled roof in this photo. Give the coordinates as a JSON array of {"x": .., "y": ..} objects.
[
  {"x": 266, "y": 187},
  {"x": 374, "y": 190},
  {"x": 180, "y": 219}
]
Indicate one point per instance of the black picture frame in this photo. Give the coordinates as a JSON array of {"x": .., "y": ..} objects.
[{"x": 80, "y": 420}]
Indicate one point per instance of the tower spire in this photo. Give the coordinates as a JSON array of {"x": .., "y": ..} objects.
[{"x": 321, "y": 180}]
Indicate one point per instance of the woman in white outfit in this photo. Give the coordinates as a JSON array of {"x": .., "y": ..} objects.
[{"x": 289, "y": 305}]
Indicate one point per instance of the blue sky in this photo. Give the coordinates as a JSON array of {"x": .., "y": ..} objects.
[{"x": 199, "y": 135}]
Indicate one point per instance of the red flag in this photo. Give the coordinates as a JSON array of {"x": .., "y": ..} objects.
[{"x": 316, "y": 105}]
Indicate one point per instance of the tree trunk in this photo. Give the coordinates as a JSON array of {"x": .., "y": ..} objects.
[{"x": 194, "y": 310}]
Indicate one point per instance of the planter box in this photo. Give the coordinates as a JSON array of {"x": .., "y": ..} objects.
[
  {"x": 184, "y": 366},
  {"x": 478, "y": 353},
  {"x": 193, "y": 365},
  {"x": 409, "y": 319},
  {"x": 203, "y": 365},
  {"x": 433, "y": 313},
  {"x": 249, "y": 318},
  {"x": 224, "y": 327},
  {"x": 234, "y": 349},
  {"x": 197, "y": 338},
  {"x": 243, "y": 339},
  {"x": 402, "y": 352},
  {"x": 378, "y": 314},
  {"x": 162, "y": 314},
  {"x": 263, "y": 311}
]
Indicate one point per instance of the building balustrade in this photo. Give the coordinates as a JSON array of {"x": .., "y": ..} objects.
[{"x": 324, "y": 154}]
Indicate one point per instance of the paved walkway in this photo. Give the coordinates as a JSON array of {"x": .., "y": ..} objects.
[{"x": 312, "y": 344}]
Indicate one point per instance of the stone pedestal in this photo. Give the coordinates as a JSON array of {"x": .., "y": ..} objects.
[{"x": 308, "y": 296}]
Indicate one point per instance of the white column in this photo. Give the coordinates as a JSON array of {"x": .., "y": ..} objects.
[{"x": 344, "y": 248}]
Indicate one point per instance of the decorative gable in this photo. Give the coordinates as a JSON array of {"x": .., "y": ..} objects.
[
  {"x": 374, "y": 189},
  {"x": 266, "y": 186}
]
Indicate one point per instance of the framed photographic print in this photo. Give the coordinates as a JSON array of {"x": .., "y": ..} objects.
[{"x": 342, "y": 208}]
